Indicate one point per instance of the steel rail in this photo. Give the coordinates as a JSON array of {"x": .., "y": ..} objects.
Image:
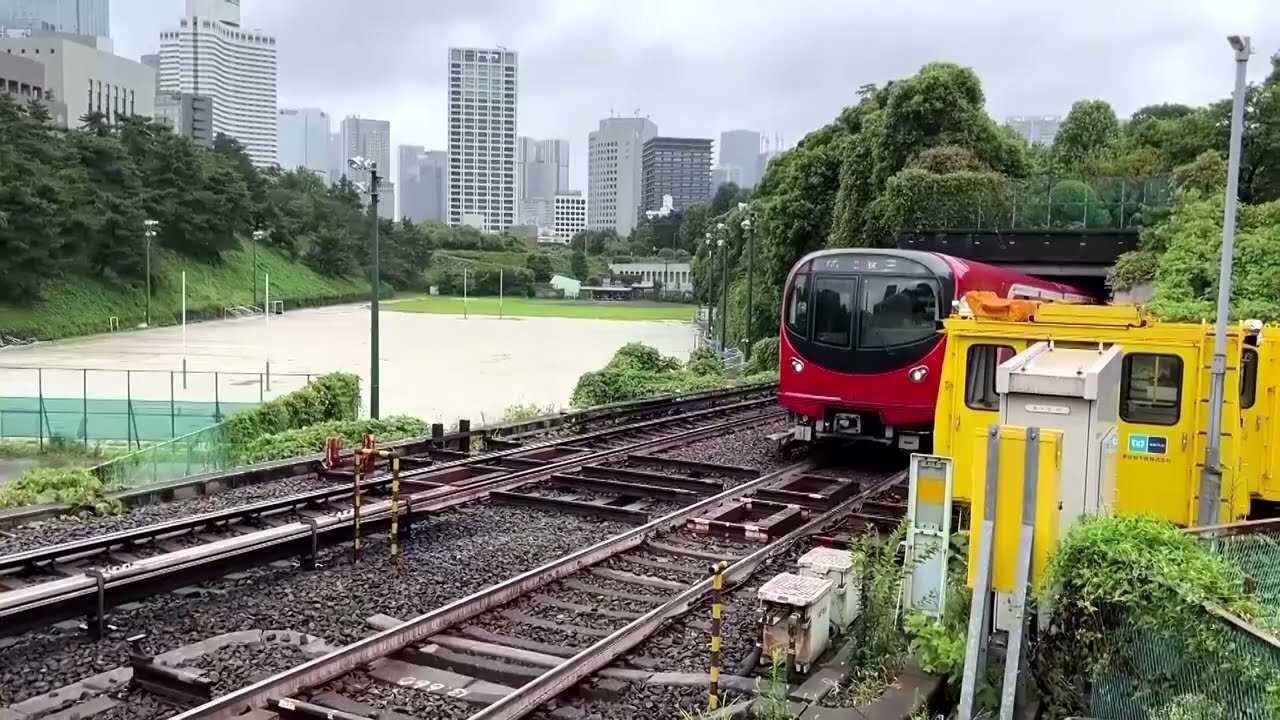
[
  {"x": 382, "y": 644},
  {"x": 78, "y": 548},
  {"x": 69, "y": 597},
  {"x": 577, "y": 668}
]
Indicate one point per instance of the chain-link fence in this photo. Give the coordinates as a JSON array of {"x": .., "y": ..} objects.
[
  {"x": 134, "y": 407},
  {"x": 1044, "y": 203},
  {"x": 203, "y": 451},
  {"x": 1229, "y": 669}
]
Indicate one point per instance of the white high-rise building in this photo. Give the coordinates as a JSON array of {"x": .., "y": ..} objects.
[
  {"x": 482, "y": 138},
  {"x": 371, "y": 139},
  {"x": 210, "y": 54},
  {"x": 304, "y": 140},
  {"x": 613, "y": 172}
]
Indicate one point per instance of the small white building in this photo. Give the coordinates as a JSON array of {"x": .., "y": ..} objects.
[
  {"x": 670, "y": 276},
  {"x": 570, "y": 215},
  {"x": 569, "y": 286}
]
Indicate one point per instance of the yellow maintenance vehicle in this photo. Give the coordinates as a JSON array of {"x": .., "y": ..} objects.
[
  {"x": 1050, "y": 412},
  {"x": 1163, "y": 406}
]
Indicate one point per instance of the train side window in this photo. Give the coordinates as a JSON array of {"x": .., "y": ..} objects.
[
  {"x": 1248, "y": 378},
  {"x": 798, "y": 306},
  {"x": 833, "y": 311},
  {"x": 1151, "y": 389},
  {"x": 980, "y": 375}
]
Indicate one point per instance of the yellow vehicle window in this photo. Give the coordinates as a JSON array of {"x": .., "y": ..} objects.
[
  {"x": 980, "y": 375},
  {"x": 1151, "y": 389},
  {"x": 1248, "y": 378}
]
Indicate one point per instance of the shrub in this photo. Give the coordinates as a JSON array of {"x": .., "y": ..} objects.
[
  {"x": 310, "y": 439},
  {"x": 705, "y": 361},
  {"x": 335, "y": 396},
  {"x": 75, "y": 486},
  {"x": 638, "y": 356},
  {"x": 764, "y": 357}
]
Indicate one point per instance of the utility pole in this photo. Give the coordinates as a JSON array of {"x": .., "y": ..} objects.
[
  {"x": 724, "y": 284},
  {"x": 1211, "y": 475},
  {"x": 149, "y": 231},
  {"x": 748, "y": 229},
  {"x": 371, "y": 167}
]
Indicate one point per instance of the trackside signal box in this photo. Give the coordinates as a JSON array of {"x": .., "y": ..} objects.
[{"x": 1077, "y": 392}]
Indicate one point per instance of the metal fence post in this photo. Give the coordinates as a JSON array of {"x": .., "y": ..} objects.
[
  {"x": 217, "y": 403},
  {"x": 173, "y": 421},
  {"x": 84, "y": 403},
  {"x": 40, "y": 405},
  {"x": 128, "y": 407}
]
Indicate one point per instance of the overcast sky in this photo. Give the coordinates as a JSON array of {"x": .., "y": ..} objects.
[{"x": 698, "y": 67}]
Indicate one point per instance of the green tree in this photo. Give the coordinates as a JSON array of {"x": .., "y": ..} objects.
[
  {"x": 540, "y": 265},
  {"x": 578, "y": 265},
  {"x": 1089, "y": 128}
]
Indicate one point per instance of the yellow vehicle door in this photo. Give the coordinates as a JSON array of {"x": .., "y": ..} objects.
[
  {"x": 1157, "y": 424},
  {"x": 965, "y": 413}
]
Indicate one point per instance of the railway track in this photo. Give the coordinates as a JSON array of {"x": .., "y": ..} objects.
[
  {"x": 91, "y": 576},
  {"x": 505, "y": 651}
]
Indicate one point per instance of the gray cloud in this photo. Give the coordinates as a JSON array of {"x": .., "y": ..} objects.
[{"x": 699, "y": 67}]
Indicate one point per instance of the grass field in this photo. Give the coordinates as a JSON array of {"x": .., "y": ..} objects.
[{"x": 522, "y": 307}]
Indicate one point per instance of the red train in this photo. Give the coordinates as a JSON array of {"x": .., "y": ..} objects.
[{"x": 860, "y": 349}]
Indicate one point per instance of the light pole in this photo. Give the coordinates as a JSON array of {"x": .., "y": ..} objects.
[
  {"x": 751, "y": 260},
  {"x": 257, "y": 236},
  {"x": 149, "y": 230},
  {"x": 1211, "y": 475},
  {"x": 371, "y": 167},
  {"x": 711, "y": 263},
  {"x": 724, "y": 284}
]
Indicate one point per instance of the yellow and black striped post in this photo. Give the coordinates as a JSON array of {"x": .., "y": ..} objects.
[
  {"x": 717, "y": 616},
  {"x": 356, "y": 477},
  {"x": 395, "y": 507}
]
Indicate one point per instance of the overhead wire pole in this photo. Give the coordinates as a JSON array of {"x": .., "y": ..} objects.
[
  {"x": 724, "y": 285},
  {"x": 364, "y": 165},
  {"x": 1211, "y": 474},
  {"x": 748, "y": 229}
]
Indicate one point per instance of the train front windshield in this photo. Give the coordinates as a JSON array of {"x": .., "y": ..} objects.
[{"x": 862, "y": 313}]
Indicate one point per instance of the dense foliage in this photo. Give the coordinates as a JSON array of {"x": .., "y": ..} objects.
[
  {"x": 75, "y": 486},
  {"x": 331, "y": 397},
  {"x": 310, "y": 439},
  {"x": 639, "y": 371},
  {"x": 1114, "y": 579}
]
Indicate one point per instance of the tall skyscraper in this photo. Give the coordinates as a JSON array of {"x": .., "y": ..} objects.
[
  {"x": 371, "y": 139},
  {"x": 679, "y": 167},
  {"x": 1036, "y": 129},
  {"x": 421, "y": 185},
  {"x": 613, "y": 172},
  {"x": 78, "y": 17},
  {"x": 542, "y": 167},
  {"x": 304, "y": 140},
  {"x": 482, "y": 137},
  {"x": 740, "y": 149},
  {"x": 209, "y": 53}
]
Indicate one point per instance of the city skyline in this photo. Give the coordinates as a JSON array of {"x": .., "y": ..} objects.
[{"x": 642, "y": 64}]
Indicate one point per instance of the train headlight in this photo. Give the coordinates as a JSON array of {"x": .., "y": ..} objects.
[
  {"x": 918, "y": 374},
  {"x": 796, "y": 365}
]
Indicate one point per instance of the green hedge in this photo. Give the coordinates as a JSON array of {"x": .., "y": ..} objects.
[
  {"x": 331, "y": 397},
  {"x": 310, "y": 439},
  {"x": 638, "y": 371},
  {"x": 76, "y": 486}
]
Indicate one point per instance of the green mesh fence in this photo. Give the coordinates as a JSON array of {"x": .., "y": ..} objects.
[
  {"x": 203, "y": 451},
  {"x": 1233, "y": 670},
  {"x": 132, "y": 407},
  {"x": 1043, "y": 203}
]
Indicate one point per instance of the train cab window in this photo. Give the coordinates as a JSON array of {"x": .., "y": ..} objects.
[
  {"x": 1151, "y": 389},
  {"x": 833, "y": 311},
  {"x": 798, "y": 306},
  {"x": 1248, "y": 378},
  {"x": 896, "y": 312},
  {"x": 980, "y": 375}
]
